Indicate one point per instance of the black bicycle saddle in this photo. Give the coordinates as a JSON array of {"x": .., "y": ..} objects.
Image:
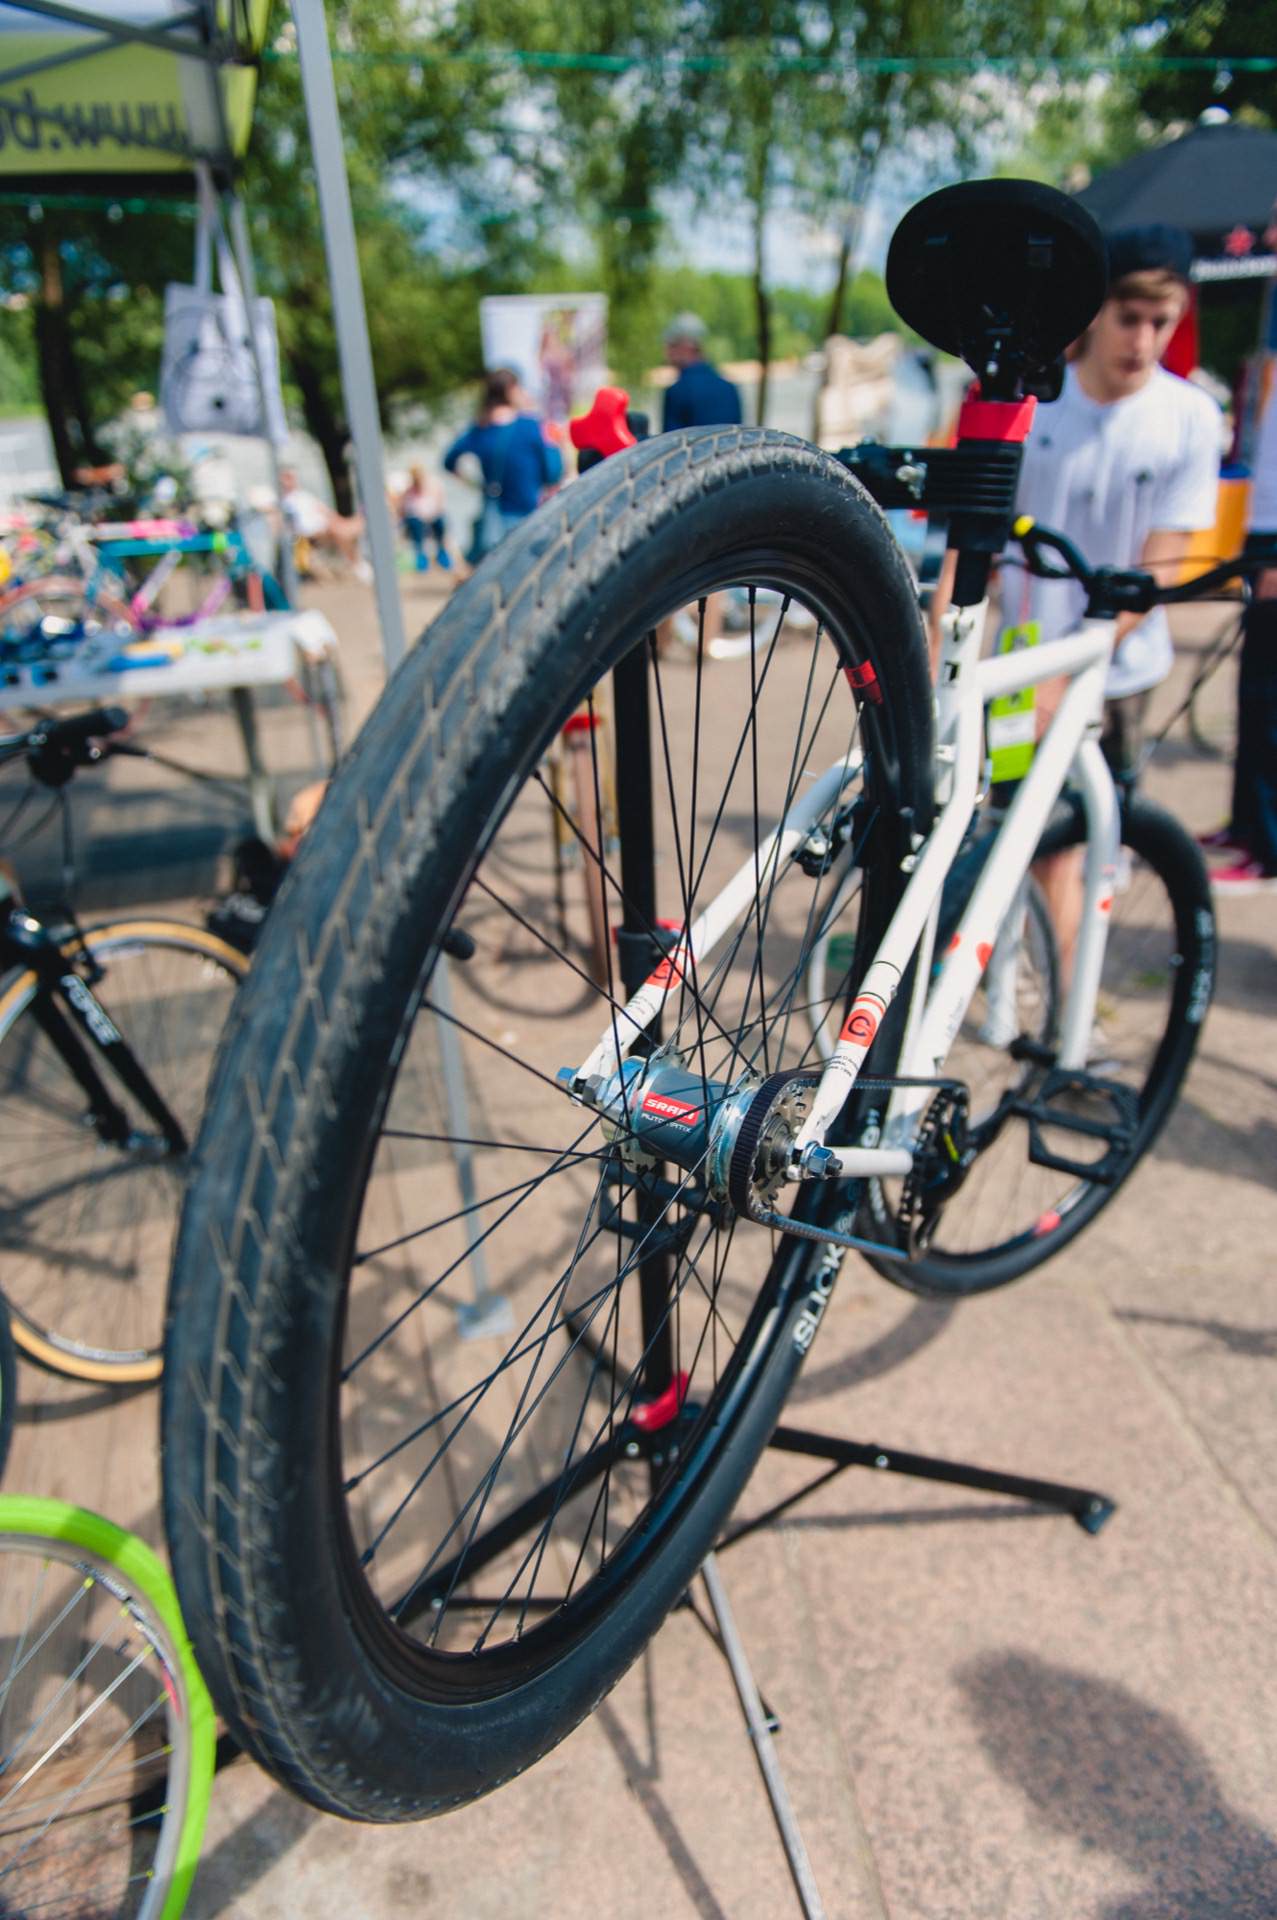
[{"x": 1003, "y": 273}]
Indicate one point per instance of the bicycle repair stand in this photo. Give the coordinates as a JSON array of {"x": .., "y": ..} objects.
[
  {"x": 659, "y": 1384},
  {"x": 1089, "y": 1509},
  {"x": 971, "y": 268}
]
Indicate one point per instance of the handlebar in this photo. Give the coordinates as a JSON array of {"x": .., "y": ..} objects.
[
  {"x": 56, "y": 748},
  {"x": 1114, "y": 590}
]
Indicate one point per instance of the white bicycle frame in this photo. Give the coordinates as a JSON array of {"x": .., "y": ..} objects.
[{"x": 1069, "y": 748}]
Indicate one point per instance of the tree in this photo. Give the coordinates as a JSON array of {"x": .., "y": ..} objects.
[
  {"x": 407, "y": 127},
  {"x": 92, "y": 279},
  {"x": 1208, "y": 28},
  {"x": 792, "y": 106}
]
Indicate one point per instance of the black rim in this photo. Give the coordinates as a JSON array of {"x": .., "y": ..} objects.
[{"x": 1142, "y": 1029}]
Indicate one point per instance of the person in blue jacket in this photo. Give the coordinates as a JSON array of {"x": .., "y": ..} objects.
[
  {"x": 517, "y": 461},
  {"x": 700, "y": 397}
]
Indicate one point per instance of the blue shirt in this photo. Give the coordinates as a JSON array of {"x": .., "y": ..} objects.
[
  {"x": 518, "y": 462},
  {"x": 700, "y": 397}
]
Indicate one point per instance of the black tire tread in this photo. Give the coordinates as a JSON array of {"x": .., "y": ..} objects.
[{"x": 295, "y": 1034}]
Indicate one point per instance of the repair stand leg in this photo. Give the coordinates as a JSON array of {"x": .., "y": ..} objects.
[
  {"x": 260, "y": 789},
  {"x": 764, "y": 1745}
]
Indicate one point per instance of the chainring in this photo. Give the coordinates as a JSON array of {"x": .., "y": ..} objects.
[{"x": 942, "y": 1158}]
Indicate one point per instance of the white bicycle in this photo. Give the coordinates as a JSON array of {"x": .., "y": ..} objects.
[{"x": 411, "y": 1561}]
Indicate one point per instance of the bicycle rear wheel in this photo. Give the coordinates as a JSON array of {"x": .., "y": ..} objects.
[
  {"x": 457, "y": 1527},
  {"x": 1013, "y": 1213},
  {"x": 106, "y": 1729},
  {"x": 1212, "y": 706},
  {"x": 86, "y": 1228}
]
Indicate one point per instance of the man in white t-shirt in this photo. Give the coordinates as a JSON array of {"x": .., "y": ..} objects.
[{"x": 1126, "y": 464}]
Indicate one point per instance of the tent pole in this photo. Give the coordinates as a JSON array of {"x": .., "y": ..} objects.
[
  {"x": 248, "y": 280},
  {"x": 349, "y": 313}
]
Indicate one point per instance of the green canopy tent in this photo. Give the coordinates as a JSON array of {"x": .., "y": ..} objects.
[
  {"x": 118, "y": 93},
  {"x": 112, "y": 96}
]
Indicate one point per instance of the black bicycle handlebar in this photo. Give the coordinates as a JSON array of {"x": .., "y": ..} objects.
[
  {"x": 56, "y": 748},
  {"x": 1114, "y": 590}
]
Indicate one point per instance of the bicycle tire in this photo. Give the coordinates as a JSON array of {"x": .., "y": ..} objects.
[
  {"x": 1036, "y": 989},
  {"x": 1212, "y": 705},
  {"x": 269, "y": 1337},
  {"x": 1161, "y": 949},
  {"x": 90, "y": 1304},
  {"x": 82, "y": 1599},
  {"x": 8, "y": 1385}
]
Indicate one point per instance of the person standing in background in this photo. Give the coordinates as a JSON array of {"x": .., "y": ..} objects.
[
  {"x": 1126, "y": 465},
  {"x": 700, "y": 397},
  {"x": 1251, "y": 834},
  {"x": 517, "y": 462}
]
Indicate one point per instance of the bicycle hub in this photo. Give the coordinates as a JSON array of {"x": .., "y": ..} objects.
[{"x": 736, "y": 1138}]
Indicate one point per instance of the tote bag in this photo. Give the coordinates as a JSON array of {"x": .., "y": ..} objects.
[{"x": 208, "y": 379}]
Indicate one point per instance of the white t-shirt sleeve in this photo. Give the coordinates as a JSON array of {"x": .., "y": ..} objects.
[{"x": 1187, "y": 497}]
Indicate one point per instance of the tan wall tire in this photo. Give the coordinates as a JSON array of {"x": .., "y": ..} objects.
[{"x": 75, "y": 1346}]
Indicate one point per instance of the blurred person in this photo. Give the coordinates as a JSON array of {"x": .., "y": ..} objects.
[
  {"x": 421, "y": 515},
  {"x": 1251, "y": 834},
  {"x": 311, "y": 521},
  {"x": 700, "y": 396},
  {"x": 517, "y": 461},
  {"x": 1125, "y": 463}
]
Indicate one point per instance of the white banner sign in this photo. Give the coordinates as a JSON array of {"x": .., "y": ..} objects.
[{"x": 555, "y": 342}]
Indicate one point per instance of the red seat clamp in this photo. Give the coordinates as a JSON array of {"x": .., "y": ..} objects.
[{"x": 995, "y": 419}]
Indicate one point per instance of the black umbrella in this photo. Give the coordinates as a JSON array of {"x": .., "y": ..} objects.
[{"x": 1218, "y": 182}]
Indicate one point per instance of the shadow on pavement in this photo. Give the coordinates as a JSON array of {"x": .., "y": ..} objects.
[
  {"x": 925, "y": 1322},
  {"x": 1120, "y": 1777},
  {"x": 247, "y": 1853},
  {"x": 643, "y": 1777},
  {"x": 1249, "y": 1343}
]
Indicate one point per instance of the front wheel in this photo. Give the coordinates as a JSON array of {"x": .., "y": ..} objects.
[
  {"x": 1013, "y": 1213},
  {"x": 462, "y": 1379},
  {"x": 86, "y": 1224}
]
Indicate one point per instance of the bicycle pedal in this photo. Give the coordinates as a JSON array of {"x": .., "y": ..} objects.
[{"x": 1048, "y": 1108}]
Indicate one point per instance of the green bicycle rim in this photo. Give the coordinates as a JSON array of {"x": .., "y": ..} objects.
[{"x": 142, "y": 1572}]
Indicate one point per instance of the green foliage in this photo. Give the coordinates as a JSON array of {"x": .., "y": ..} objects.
[
  {"x": 1080, "y": 131},
  {"x": 1197, "y": 27},
  {"x": 19, "y": 388}
]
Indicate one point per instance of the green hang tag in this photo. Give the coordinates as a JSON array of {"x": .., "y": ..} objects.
[{"x": 1011, "y": 724}]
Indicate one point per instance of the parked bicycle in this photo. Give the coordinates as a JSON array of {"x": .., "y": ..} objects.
[
  {"x": 106, "y": 1728},
  {"x": 107, "y": 1034},
  {"x": 412, "y": 1561},
  {"x": 114, "y": 582}
]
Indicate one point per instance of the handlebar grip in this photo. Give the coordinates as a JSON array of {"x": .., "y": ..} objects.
[
  {"x": 604, "y": 429},
  {"x": 1036, "y": 540},
  {"x": 96, "y": 724}
]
